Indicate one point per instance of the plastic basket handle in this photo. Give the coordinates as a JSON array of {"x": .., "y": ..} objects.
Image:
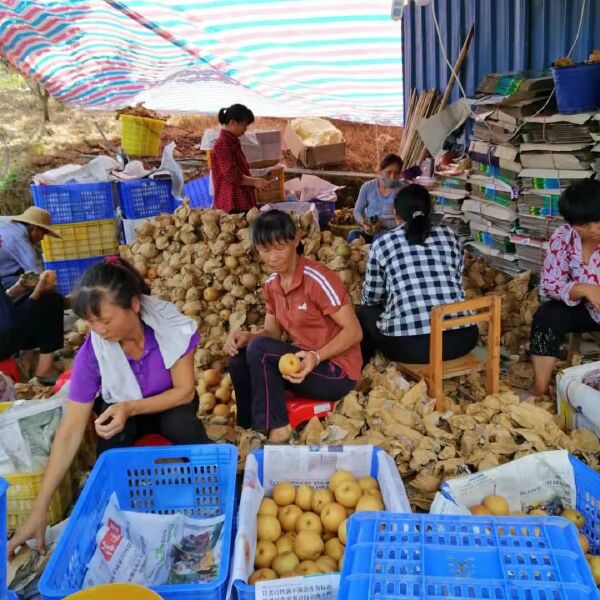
[{"x": 170, "y": 460}]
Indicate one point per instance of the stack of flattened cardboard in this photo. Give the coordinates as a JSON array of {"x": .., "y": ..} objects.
[
  {"x": 556, "y": 150},
  {"x": 448, "y": 195}
]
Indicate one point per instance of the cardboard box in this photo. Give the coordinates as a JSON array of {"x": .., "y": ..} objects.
[
  {"x": 261, "y": 148},
  {"x": 313, "y": 156},
  {"x": 578, "y": 404}
]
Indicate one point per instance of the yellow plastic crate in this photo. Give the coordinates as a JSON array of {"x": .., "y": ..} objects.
[
  {"x": 81, "y": 240},
  {"x": 24, "y": 489},
  {"x": 140, "y": 136}
]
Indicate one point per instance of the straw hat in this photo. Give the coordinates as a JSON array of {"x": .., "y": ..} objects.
[{"x": 38, "y": 217}]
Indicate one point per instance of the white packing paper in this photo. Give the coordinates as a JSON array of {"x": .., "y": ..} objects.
[
  {"x": 543, "y": 477},
  {"x": 151, "y": 550}
]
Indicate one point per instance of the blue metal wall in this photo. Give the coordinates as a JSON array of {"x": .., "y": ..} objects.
[{"x": 509, "y": 35}]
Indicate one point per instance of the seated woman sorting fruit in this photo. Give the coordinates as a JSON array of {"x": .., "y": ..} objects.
[
  {"x": 31, "y": 312},
  {"x": 570, "y": 278},
  {"x": 308, "y": 302},
  {"x": 135, "y": 371},
  {"x": 410, "y": 270},
  {"x": 374, "y": 209}
]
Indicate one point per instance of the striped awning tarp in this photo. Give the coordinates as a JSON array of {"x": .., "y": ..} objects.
[{"x": 334, "y": 58}]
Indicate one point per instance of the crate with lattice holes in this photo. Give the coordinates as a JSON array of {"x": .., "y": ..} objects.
[
  {"x": 198, "y": 481},
  {"x": 422, "y": 557}
]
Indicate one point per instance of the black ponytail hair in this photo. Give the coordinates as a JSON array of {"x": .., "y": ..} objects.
[
  {"x": 413, "y": 205},
  {"x": 114, "y": 278},
  {"x": 236, "y": 112},
  {"x": 273, "y": 227}
]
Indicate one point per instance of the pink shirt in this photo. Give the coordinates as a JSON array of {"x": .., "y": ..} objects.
[{"x": 564, "y": 268}]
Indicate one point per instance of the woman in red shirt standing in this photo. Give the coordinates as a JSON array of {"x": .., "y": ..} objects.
[
  {"x": 233, "y": 184},
  {"x": 308, "y": 302}
]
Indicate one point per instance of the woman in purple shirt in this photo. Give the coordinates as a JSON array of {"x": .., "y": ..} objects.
[{"x": 135, "y": 371}]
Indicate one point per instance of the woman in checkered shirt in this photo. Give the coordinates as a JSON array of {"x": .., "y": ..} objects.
[{"x": 411, "y": 269}]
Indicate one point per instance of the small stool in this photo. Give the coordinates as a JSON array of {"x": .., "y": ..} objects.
[
  {"x": 152, "y": 439},
  {"x": 11, "y": 368},
  {"x": 486, "y": 310},
  {"x": 300, "y": 410},
  {"x": 63, "y": 378}
]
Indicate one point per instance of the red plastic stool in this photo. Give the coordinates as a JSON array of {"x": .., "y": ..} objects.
[
  {"x": 152, "y": 439},
  {"x": 9, "y": 367},
  {"x": 61, "y": 380},
  {"x": 300, "y": 409}
]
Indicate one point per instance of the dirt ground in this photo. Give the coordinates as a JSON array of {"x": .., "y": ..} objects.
[{"x": 29, "y": 146}]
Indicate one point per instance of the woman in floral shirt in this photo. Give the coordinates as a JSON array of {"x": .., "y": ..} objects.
[{"x": 570, "y": 278}]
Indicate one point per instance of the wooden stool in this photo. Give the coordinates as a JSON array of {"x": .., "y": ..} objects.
[{"x": 487, "y": 310}]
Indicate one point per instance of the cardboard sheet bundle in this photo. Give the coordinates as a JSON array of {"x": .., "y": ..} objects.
[{"x": 530, "y": 159}]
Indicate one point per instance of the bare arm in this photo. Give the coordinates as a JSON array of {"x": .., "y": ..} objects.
[
  {"x": 64, "y": 448},
  {"x": 239, "y": 339},
  {"x": 349, "y": 335},
  {"x": 113, "y": 419}
]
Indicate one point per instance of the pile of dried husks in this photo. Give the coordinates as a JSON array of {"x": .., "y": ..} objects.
[
  {"x": 202, "y": 261},
  {"x": 430, "y": 447}
]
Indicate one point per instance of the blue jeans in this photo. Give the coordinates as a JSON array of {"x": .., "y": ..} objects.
[{"x": 369, "y": 239}]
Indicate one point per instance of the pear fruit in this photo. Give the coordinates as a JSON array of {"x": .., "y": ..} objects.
[
  {"x": 574, "y": 516},
  {"x": 309, "y": 521},
  {"x": 289, "y": 364},
  {"x": 338, "y": 477},
  {"x": 265, "y": 553},
  {"x": 308, "y": 545},
  {"x": 342, "y": 531},
  {"x": 369, "y": 503},
  {"x": 326, "y": 564},
  {"x": 268, "y": 506},
  {"x": 288, "y": 516},
  {"x": 334, "y": 549},
  {"x": 304, "y": 496},
  {"x": 268, "y": 528},
  {"x": 285, "y": 562},
  {"x": 332, "y": 515},
  {"x": 285, "y": 544},
  {"x": 497, "y": 505},
  {"x": 320, "y": 499},
  {"x": 368, "y": 483},
  {"x": 348, "y": 492},
  {"x": 308, "y": 567},
  {"x": 284, "y": 493},
  {"x": 262, "y": 575}
]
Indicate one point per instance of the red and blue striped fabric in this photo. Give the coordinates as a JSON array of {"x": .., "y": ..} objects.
[{"x": 335, "y": 58}]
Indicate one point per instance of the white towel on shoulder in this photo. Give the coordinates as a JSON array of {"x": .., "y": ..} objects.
[{"x": 173, "y": 332}]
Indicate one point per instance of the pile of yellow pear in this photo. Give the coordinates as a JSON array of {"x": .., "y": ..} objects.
[{"x": 302, "y": 530}]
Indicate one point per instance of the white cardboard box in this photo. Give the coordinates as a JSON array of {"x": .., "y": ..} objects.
[
  {"x": 303, "y": 464},
  {"x": 578, "y": 404}
]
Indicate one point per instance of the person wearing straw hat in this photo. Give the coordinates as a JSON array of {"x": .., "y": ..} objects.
[{"x": 29, "y": 319}]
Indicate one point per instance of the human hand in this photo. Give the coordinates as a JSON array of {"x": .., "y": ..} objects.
[
  {"x": 33, "y": 528},
  {"x": 113, "y": 419},
  {"x": 236, "y": 340},
  {"x": 308, "y": 363},
  {"x": 592, "y": 295},
  {"x": 261, "y": 184},
  {"x": 46, "y": 284}
]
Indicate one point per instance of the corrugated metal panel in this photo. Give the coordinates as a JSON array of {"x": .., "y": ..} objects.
[{"x": 509, "y": 35}]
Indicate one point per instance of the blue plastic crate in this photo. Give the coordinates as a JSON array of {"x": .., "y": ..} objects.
[
  {"x": 426, "y": 557},
  {"x": 198, "y": 191},
  {"x": 142, "y": 198},
  {"x": 326, "y": 211},
  {"x": 68, "y": 272},
  {"x": 196, "y": 480},
  {"x": 587, "y": 484},
  {"x": 243, "y": 591},
  {"x": 75, "y": 202}
]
